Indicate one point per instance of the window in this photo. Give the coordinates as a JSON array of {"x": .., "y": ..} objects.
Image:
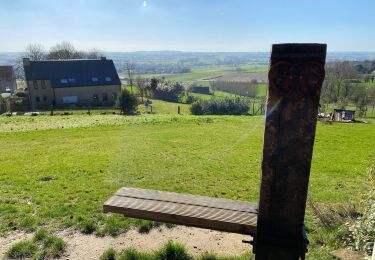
[
  {"x": 37, "y": 99},
  {"x": 44, "y": 98},
  {"x": 43, "y": 83},
  {"x": 105, "y": 97},
  {"x": 64, "y": 81},
  {"x": 95, "y": 97},
  {"x": 114, "y": 96},
  {"x": 35, "y": 83},
  {"x": 108, "y": 79},
  {"x": 94, "y": 79},
  {"x": 71, "y": 80}
]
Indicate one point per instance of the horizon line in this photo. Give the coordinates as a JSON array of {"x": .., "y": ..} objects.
[{"x": 196, "y": 51}]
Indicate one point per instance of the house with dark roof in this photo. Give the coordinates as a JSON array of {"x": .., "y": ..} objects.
[
  {"x": 8, "y": 81},
  {"x": 71, "y": 83}
]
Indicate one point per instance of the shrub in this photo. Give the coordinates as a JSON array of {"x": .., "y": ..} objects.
[
  {"x": 171, "y": 251},
  {"x": 196, "y": 108},
  {"x": 109, "y": 254},
  {"x": 168, "y": 91},
  {"x": 128, "y": 102},
  {"x": 228, "y": 106},
  {"x": 362, "y": 231},
  {"x": 23, "y": 249}
]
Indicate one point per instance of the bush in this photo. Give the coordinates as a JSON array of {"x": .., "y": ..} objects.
[
  {"x": 168, "y": 91},
  {"x": 128, "y": 102},
  {"x": 196, "y": 108},
  {"x": 228, "y": 106},
  {"x": 363, "y": 229}
]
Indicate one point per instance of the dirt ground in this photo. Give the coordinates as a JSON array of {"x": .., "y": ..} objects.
[{"x": 196, "y": 241}]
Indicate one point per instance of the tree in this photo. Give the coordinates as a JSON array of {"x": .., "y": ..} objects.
[
  {"x": 63, "y": 51},
  {"x": 337, "y": 85},
  {"x": 35, "y": 51},
  {"x": 142, "y": 85},
  {"x": 130, "y": 68},
  {"x": 153, "y": 84},
  {"x": 128, "y": 102}
]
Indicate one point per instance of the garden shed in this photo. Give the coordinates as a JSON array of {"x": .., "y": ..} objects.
[{"x": 343, "y": 115}]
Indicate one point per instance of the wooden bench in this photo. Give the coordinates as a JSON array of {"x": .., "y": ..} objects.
[{"x": 190, "y": 210}]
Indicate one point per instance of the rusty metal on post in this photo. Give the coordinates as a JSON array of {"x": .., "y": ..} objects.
[{"x": 295, "y": 78}]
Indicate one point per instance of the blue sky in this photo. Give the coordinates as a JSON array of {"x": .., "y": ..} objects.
[{"x": 190, "y": 25}]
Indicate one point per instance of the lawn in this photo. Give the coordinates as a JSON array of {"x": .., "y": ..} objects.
[{"x": 57, "y": 171}]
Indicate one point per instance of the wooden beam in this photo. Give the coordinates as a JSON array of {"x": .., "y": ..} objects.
[
  {"x": 295, "y": 78},
  {"x": 190, "y": 210}
]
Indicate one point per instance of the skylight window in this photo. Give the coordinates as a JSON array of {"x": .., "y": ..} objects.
[
  {"x": 108, "y": 79},
  {"x": 64, "y": 81},
  {"x": 94, "y": 79}
]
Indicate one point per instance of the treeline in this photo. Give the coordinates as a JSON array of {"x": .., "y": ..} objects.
[
  {"x": 345, "y": 86},
  {"x": 142, "y": 68},
  {"x": 60, "y": 51},
  {"x": 227, "y": 106},
  {"x": 246, "y": 89}
]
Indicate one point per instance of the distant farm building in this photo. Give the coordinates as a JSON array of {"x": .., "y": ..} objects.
[
  {"x": 71, "y": 83},
  {"x": 8, "y": 83},
  {"x": 343, "y": 115},
  {"x": 200, "y": 89}
]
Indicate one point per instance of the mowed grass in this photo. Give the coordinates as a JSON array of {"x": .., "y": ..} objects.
[{"x": 60, "y": 176}]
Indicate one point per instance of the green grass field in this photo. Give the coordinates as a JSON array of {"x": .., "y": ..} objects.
[
  {"x": 209, "y": 71},
  {"x": 57, "y": 171}
]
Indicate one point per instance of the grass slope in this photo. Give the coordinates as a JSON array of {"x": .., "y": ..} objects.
[
  {"x": 62, "y": 176},
  {"x": 57, "y": 171}
]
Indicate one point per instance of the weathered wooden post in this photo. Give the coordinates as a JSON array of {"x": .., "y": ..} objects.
[
  {"x": 295, "y": 78},
  {"x": 178, "y": 110}
]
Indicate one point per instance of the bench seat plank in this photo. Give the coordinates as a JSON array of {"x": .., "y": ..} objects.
[{"x": 191, "y": 210}]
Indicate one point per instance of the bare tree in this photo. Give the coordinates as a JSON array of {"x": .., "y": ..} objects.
[
  {"x": 93, "y": 54},
  {"x": 67, "y": 51},
  {"x": 64, "y": 51},
  {"x": 35, "y": 51},
  {"x": 130, "y": 68},
  {"x": 142, "y": 85},
  {"x": 337, "y": 86}
]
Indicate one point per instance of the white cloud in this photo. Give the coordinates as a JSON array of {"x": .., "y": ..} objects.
[{"x": 144, "y": 3}]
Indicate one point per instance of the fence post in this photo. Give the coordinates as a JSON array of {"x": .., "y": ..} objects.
[
  {"x": 178, "y": 109},
  {"x": 295, "y": 78}
]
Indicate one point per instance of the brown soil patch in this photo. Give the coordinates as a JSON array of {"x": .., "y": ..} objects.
[{"x": 196, "y": 241}]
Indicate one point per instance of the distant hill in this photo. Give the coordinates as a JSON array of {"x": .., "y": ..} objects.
[{"x": 170, "y": 61}]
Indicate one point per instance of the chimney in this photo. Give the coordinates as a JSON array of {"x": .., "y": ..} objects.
[
  {"x": 26, "y": 62},
  {"x": 103, "y": 58}
]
